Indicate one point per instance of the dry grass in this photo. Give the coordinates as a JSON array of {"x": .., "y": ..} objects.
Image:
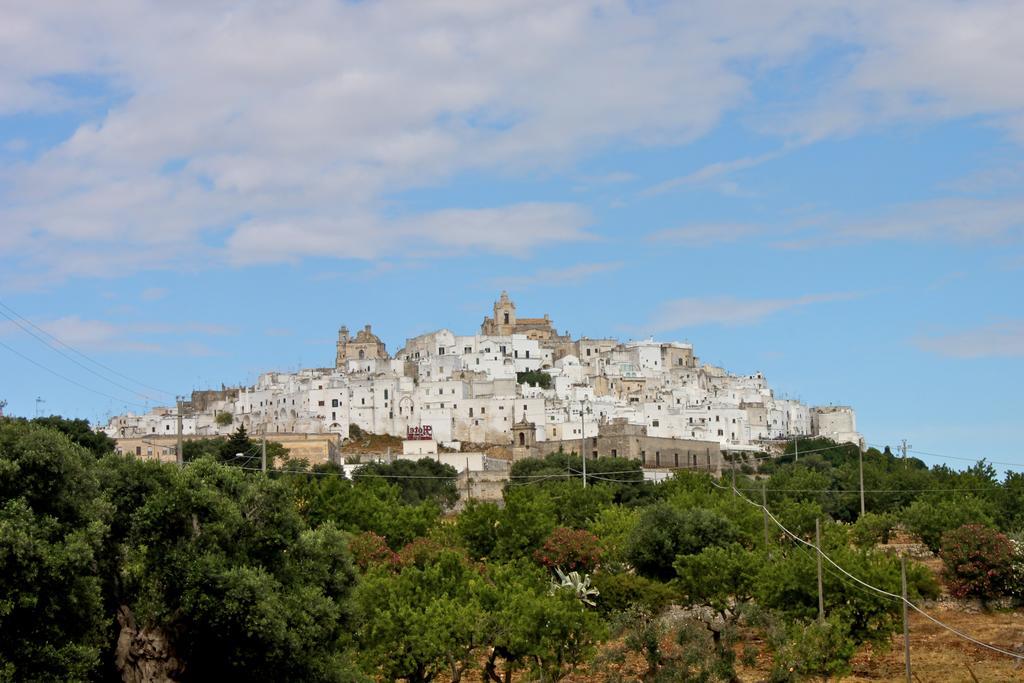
[{"x": 936, "y": 654}]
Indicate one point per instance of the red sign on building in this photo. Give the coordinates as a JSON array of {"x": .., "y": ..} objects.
[{"x": 425, "y": 433}]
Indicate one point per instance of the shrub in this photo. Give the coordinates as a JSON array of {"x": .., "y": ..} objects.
[
  {"x": 570, "y": 550},
  {"x": 812, "y": 649},
  {"x": 534, "y": 378},
  {"x": 872, "y": 528},
  {"x": 369, "y": 549},
  {"x": 224, "y": 419},
  {"x": 420, "y": 552},
  {"x": 928, "y": 520},
  {"x": 620, "y": 592},
  {"x": 978, "y": 562}
]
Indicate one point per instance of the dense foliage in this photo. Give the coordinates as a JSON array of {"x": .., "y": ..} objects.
[
  {"x": 535, "y": 378},
  {"x": 305, "y": 574}
]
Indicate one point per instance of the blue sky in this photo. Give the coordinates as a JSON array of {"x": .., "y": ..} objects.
[{"x": 827, "y": 192}]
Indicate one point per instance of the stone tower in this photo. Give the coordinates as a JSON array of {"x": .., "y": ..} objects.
[
  {"x": 365, "y": 345},
  {"x": 505, "y": 314},
  {"x": 524, "y": 440}
]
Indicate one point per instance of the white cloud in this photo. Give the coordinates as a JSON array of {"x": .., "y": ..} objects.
[
  {"x": 704, "y": 234},
  {"x": 712, "y": 173},
  {"x": 291, "y": 127},
  {"x": 508, "y": 230},
  {"x": 998, "y": 340},
  {"x": 153, "y": 293},
  {"x": 728, "y": 310},
  {"x": 100, "y": 335},
  {"x": 552, "y": 277},
  {"x": 953, "y": 219}
]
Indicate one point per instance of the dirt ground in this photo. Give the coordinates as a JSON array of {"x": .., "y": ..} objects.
[{"x": 936, "y": 655}]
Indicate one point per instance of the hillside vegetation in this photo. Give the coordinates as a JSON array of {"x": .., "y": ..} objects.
[{"x": 114, "y": 568}]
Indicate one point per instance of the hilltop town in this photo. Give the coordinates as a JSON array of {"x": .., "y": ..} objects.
[{"x": 516, "y": 383}]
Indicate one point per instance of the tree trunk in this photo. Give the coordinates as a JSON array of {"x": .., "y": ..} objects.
[{"x": 144, "y": 655}]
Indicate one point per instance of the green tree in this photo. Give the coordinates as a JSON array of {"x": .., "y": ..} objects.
[
  {"x": 929, "y": 518},
  {"x": 417, "y": 481},
  {"x": 535, "y": 378},
  {"x": 811, "y": 648},
  {"x": 613, "y": 526},
  {"x": 220, "y": 557},
  {"x": 53, "y": 520},
  {"x": 238, "y": 444},
  {"x": 723, "y": 579},
  {"x": 655, "y": 542},
  {"x": 423, "y": 621},
  {"x": 80, "y": 432},
  {"x": 528, "y": 518},
  {"x": 664, "y": 532},
  {"x": 533, "y": 627},
  {"x": 478, "y": 528}
]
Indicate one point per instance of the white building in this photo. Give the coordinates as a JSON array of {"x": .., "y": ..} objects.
[{"x": 467, "y": 388}]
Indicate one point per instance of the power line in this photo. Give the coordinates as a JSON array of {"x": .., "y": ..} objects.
[
  {"x": 74, "y": 360},
  {"x": 878, "y": 590},
  {"x": 68, "y": 379},
  {"x": 76, "y": 351},
  {"x": 956, "y": 457}
]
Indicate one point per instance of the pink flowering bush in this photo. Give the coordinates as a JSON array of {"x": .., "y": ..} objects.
[
  {"x": 369, "y": 550},
  {"x": 979, "y": 562},
  {"x": 570, "y": 550}
]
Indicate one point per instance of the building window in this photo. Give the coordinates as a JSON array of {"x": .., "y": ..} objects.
[
  {"x": 334, "y": 403},
  {"x": 655, "y": 423},
  {"x": 385, "y": 394},
  {"x": 362, "y": 401},
  {"x": 527, "y": 353},
  {"x": 320, "y": 403},
  {"x": 720, "y": 432},
  {"x": 440, "y": 350},
  {"x": 334, "y": 415},
  {"x": 483, "y": 410},
  {"x": 506, "y": 318},
  {"x": 615, "y": 453},
  {"x": 471, "y": 412}
]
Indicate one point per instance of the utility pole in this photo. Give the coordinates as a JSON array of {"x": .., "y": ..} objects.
[
  {"x": 796, "y": 449},
  {"x": 39, "y": 400},
  {"x": 583, "y": 443},
  {"x": 906, "y": 617},
  {"x": 904, "y": 447},
  {"x": 734, "y": 491},
  {"x": 180, "y": 452},
  {"x": 263, "y": 452},
  {"x": 3, "y": 404},
  {"x": 821, "y": 589},
  {"x": 764, "y": 509},
  {"x": 860, "y": 461}
]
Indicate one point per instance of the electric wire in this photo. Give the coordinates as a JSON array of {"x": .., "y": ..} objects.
[
  {"x": 68, "y": 379},
  {"x": 876, "y": 589},
  {"x": 74, "y": 360},
  {"x": 77, "y": 352}
]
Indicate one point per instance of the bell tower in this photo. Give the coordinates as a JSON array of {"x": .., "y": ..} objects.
[
  {"x": 504, "y": 315},
  {"x": 524, "y": 440}
]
